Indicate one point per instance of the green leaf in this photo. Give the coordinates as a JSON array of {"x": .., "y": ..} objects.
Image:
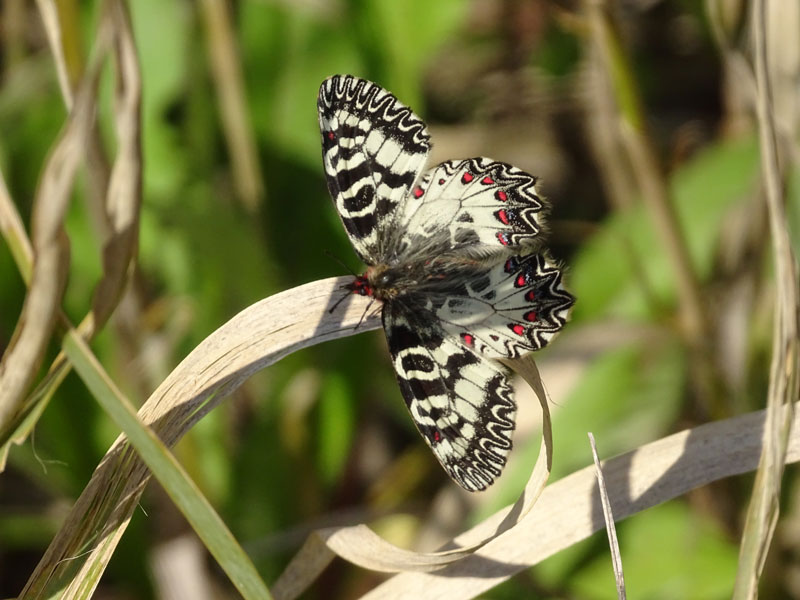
[
  {"x": 336, "y": 426},
  {"x": 667, "y": 552},
  {"x": 615, "y": 270}
]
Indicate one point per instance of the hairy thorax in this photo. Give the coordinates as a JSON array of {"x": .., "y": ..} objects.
[{"x": 388, "y": 282}]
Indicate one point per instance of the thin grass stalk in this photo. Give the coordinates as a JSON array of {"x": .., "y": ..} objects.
[
  {"x": 784, "y": 382},
  {"x": 229, "y": 86}
]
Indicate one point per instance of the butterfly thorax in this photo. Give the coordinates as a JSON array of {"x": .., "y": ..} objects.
[{"x": 387, "y": 282}]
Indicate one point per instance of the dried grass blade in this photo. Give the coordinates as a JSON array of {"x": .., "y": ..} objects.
[
  {"x": 608, "y": 517},
  {"x": 51, "y": 250},
  {"x": 52, "y": 26},
  {"x": 784, "y": 381},
  {"x": 123, "y": 199},
  {"x": 645, "y": 477},
  {"x": 255, "y": 338}
]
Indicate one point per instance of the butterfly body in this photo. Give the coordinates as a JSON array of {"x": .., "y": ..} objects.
[{"x": 454, "y": 256}]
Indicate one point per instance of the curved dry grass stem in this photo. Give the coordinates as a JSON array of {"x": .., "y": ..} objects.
[
  {"x": 255, "y": 338},
  {"x": 51, "y": 246},
  {"x": 286, "y": 322},
  {"x": 569, "y": 510}
]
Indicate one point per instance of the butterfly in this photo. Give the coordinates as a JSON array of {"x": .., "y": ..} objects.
[{"x": 453, "y": 254}]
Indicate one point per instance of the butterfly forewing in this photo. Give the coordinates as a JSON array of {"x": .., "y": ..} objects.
[
  {"x": 474, "y": 207},
  {"x": 373, "y": 149},
  {"x": 461, "y": 403}
]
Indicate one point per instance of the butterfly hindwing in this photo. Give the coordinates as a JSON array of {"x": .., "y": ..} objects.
[
  {"x": 512, "y": 308},
  {"x": 475, "y": 207},
  {"x": 373, "y": 150},
  {"x": 461, "y": 403}
]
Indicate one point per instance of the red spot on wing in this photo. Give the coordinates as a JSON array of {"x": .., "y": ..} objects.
[
  {"x": 441, "y": 182},
  {"x": 468, "y": 338},
  {"x": 502, "y": 215},
  {"x": 331, "y": 135},
  {"x": 516, "y": 328},
  {"x": 521, "y": 280},
  {"x": 437, "y": 437},
  {"x": 501, "y": 195},
  {"x": 467, "y": 177},
  {"x": 530, "y": 295},
  {"x": 418, "y": 192},
  {"x": 502, "y": 237},
  {"x": 530, "y": 316},
  {"x": 487, "y": 180}
]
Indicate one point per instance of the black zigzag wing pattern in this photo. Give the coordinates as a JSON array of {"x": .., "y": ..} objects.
[
  {"x": 474, "y": 207},
  {"x": 512, "y": 308},
  {"x": 373, "y": 149},
  {"x": 462, "y": 404}
]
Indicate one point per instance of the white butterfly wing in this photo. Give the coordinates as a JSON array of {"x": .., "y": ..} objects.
[
  {"x": 461, "y": 403},
  {"x": 373, "y": 149},
  {"x": 515, "y": 307},
  {"x": 475, "y": 207}
]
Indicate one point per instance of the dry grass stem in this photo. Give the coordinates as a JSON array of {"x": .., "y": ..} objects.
[
  {"x": 652, "y": 183},
  {"x": 121, "y": 211},
  {"x": 52, "y": 26},
  {"x": 569, "y": 510},
  {"x": 614, "y": 169},
  {"x": 608, "y": 517},
  {"x": 784, "y": 382},
  {"x": 51, "y": 248},
  {"x": 123, "y": 197},
  {"x": 255, "y": 338},
  {"x": 226, "y": 70}
]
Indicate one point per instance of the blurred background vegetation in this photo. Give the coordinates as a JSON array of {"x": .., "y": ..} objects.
[{"x": 620, "y": 114}]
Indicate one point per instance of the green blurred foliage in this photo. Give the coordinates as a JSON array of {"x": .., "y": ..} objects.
[
  {"x": 695, "y": 559},
  {"x": 281, "y": 452},
  {"x": 705, "y": 190}
]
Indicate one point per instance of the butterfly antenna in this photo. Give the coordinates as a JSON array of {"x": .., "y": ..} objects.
[
  {"x": 338, "y": 302},
  {"x": 364, "y": 314},
  {"x": 330, "y": 254}
]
